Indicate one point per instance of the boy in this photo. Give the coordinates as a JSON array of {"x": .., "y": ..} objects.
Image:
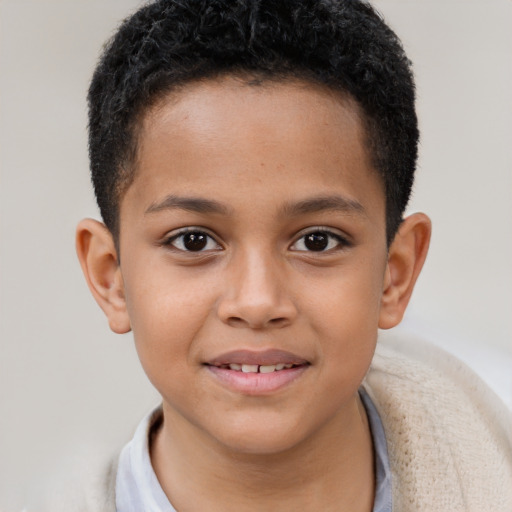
[{"x": 252, "y": 162}]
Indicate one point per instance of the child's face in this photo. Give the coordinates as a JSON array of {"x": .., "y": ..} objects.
[{"x": 254, "y": 233}]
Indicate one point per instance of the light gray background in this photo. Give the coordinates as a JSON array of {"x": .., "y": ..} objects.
[{"x": 66, "y": 382}]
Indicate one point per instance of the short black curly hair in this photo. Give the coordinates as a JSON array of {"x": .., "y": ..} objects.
[{"x": 342, "y": 44}]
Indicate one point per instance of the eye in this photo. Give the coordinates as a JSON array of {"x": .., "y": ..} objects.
[
  {"x": 319, "y": 241},
  {"x": 192, "y": 240}
]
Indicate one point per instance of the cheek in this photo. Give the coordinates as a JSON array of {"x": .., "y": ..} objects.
[
  {"x": 159, "y": 295},
  {"x": 349, "y": 299},
  {"x": 347, "y": 322},
  {"x": 166, "y": 315},
  {"x": 347, "y": 352}
]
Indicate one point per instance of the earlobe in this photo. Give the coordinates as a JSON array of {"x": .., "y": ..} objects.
[
  {"x": 406, "y": 256},
  {"x": 98, "y": 258}
]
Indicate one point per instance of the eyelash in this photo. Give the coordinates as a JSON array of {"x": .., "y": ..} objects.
[
  {"x": 170, "y": 241},
  {"x": 340, "y": 242}
]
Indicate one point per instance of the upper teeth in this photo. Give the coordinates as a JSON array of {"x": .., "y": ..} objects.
[{"x": 255, "y": 368}]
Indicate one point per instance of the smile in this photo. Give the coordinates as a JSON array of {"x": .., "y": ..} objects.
[
  {"x": 256, "y": 368},
  {"x": 257, "y": 373}
]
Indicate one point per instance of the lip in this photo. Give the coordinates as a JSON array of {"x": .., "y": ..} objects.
[
  {"x": 262, "y": 358},
  {"x": 256, "y": 384}
]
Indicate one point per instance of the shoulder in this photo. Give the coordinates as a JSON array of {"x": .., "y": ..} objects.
[
  {"x": 91, "y": 488},
  {"x": 449, "y": 436}
]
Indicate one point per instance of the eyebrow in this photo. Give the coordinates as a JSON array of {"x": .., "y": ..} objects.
[
  {"x": 311, "y": 205},
  {"x": 324, "y": 203},
  {"x": 191, "y": 204}
]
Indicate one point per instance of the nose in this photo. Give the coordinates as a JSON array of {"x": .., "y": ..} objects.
[{"x": 255, "y": 294}]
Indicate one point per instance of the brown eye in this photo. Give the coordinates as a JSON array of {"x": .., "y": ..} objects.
[
  {"x": 319, "y": 241},
  {"x": 193, "y": 241},
  {"x": 316, "y": 241}
]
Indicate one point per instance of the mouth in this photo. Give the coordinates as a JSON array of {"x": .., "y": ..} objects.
[
  {"x": 258, "y": 368},
  {"x": 257, "y": 373}
]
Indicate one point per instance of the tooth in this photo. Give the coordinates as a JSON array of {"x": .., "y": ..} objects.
[
  {"x": 250, "y": 368},
  {"x": 234, "y": 366},
  {"x": 280, "y": 366},
  {"x": 267, "y": 369},
  {"x": 287, "y": 366}
]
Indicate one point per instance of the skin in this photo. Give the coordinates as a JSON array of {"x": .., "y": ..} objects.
[{"x": 262, "y": 153}]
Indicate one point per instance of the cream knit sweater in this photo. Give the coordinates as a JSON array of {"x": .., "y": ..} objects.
[{"x": 449, "y": 437}]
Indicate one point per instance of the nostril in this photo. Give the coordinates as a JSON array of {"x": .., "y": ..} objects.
[
  {"x": 236, "y": 321},
  {"x": 275, "y": 321}
]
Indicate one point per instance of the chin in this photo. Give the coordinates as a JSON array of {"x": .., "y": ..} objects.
[
  {"x": 260, "y": 437},
  {"x": 264, "y": 445}
]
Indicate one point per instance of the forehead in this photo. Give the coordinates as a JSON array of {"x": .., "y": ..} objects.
[{"x": 233, "y": 132}]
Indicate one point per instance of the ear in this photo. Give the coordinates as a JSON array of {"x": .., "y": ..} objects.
[
  {"x": 98, "y": 257},
  {"x": 405, "y": 260}
]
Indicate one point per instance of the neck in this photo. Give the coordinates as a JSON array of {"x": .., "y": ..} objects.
[{"x": 331, "y": 470}]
